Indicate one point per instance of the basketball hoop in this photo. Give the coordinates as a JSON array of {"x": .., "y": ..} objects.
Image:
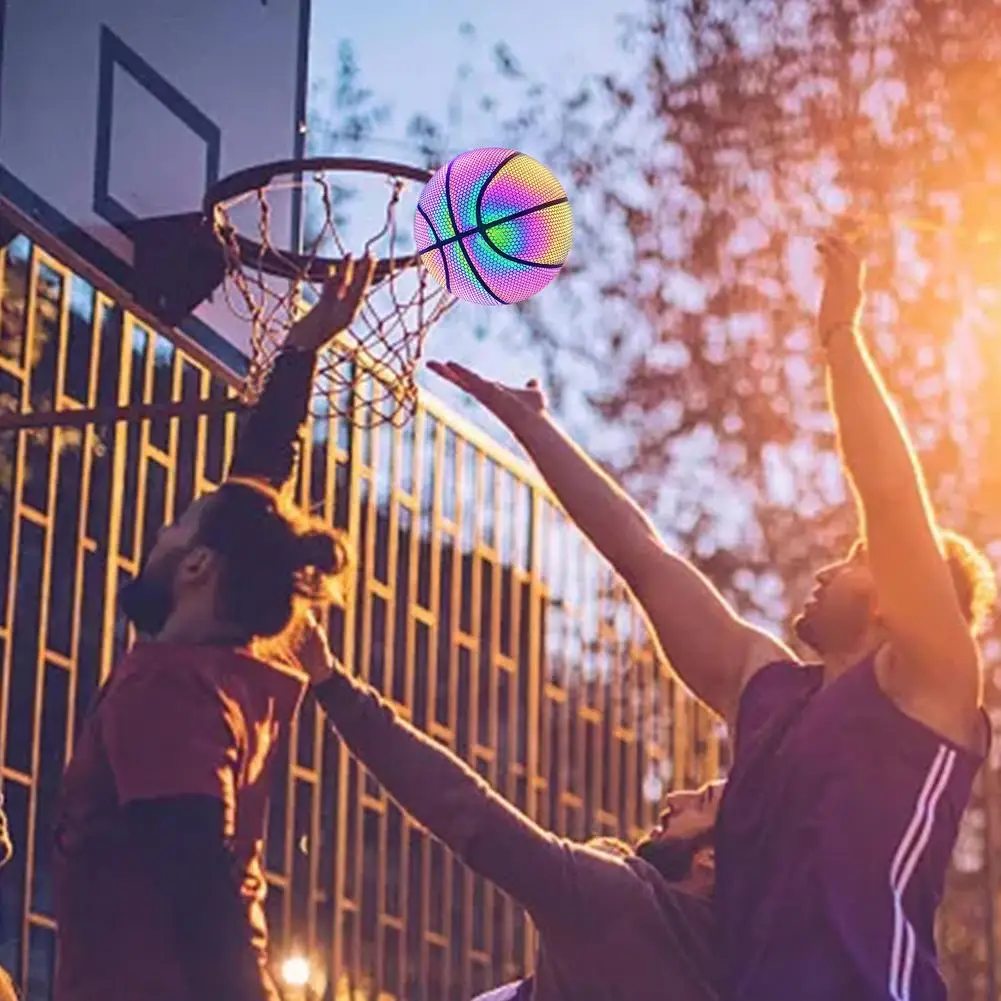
[{"x": 269, "y": 287}]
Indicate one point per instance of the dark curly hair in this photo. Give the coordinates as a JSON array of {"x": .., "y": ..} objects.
[{"x": 276, "y": 559}]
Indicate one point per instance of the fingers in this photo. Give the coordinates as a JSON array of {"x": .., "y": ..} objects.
[
  {"x": 442, "y": 370},
  {"x": 456, "y": 374},
  {"x": 313, "y": 629},
  {"x": 834, "y": 245},
  {"x": 339, "y": 279},
  {"x": 838, "y": 253},
  {"x": 846, "y": 239},
  {"x": 364, "y": 272},
  {"x": 350, "y": 278}
]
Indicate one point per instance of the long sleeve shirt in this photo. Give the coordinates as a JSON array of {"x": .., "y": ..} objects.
[{"x": 611, "y": 928}]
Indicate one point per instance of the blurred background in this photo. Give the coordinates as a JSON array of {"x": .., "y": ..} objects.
[{"x": 704, "y": 145}]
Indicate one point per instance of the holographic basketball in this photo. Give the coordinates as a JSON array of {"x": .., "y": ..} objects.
[{"x": 493, "y": 226}]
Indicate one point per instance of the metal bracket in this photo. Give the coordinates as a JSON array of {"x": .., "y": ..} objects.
[
  {"x": 7, "y": 232},
  {"x": 178, "y": 264}
]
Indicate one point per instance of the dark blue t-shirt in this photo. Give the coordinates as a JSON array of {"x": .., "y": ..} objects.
[{"x": 835, "y": 834}]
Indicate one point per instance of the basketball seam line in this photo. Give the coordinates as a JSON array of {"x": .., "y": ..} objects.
[
  {"x": 462, "y": 246},
  {"x": 438, "y": 246},
  {"x": 482, "y": 229},
  {"x": 520, "y": 260},
  {"x": 481, "y": 194}
]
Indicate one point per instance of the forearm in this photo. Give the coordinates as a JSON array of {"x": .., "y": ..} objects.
[
  {"x": 706, "y": 644},
  {"x": 268, "y": 442},
  {"x": 443, "y": 793},
  {"x": 874, "y": 446},
  {"x": 596, "y": 504}
]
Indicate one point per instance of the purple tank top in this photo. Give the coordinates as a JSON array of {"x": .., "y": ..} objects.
[{"x": 835, "y": 833}]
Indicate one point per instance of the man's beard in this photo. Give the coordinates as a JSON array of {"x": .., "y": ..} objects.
[
  {"x": 673, "y": 857},
  {"x": 825, "y": 633},
  {"x": 147, "y": 601},
  {"x": 806, "y": 628}
]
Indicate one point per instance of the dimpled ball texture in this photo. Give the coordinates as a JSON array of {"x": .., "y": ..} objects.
[{"x": 493, "y": 226}]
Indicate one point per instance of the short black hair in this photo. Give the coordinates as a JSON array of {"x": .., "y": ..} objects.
[
  {"x": 673, "y": 857},
  {"x": 276, "y": 558}
]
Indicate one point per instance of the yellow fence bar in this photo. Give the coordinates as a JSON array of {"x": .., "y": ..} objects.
[{"x": 479, "y": 611}]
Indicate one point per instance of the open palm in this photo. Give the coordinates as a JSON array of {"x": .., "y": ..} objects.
[
  {"x": 507, "y": 403},
  {"x": 338, "y": 305}
]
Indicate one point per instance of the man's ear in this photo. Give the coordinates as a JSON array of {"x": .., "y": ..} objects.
[
  {"x": 198, "y": 565},
  {"x": 704, "y": 859}
]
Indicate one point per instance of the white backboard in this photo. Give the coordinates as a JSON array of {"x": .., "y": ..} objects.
[{"x": 116, "y": 110}]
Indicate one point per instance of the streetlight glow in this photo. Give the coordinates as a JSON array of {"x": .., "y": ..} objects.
[{"x": 296, "y": 971}]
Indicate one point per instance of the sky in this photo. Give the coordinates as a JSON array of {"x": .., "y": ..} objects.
[{"x": 409, "y": 54}]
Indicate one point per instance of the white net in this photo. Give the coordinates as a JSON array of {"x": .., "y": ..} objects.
[{"x": 269, "y": 287}]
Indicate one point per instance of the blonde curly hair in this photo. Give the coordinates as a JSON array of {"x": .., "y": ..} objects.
[
  {"x": 8, "y": 992},
  {"x": 972, "y": 577}
]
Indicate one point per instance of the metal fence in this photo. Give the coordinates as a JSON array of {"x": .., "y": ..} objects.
[{"x": 478, "y": 610}]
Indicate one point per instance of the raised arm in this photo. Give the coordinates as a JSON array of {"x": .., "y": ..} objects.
[
  {"x": 936, "y": 667},
  {"x": 713, "y": 650},
  {"x": 267, "y": 446},
  {"x": 544, "y": 873}
]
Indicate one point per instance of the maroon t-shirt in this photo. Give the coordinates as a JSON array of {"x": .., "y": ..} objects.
[{"x": 174, "y": 720}]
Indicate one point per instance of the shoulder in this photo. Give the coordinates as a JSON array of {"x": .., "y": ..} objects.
[
  {"x": 605, "y": 870},
  {"x": 161, "y": 671},
  {"x": 201, "y": 683},
  {"x": 265, "y": 686},
  {"x": 772, "y": 689},
  {"x": 608, "y": 870},
  {"x": 952, "y": 710},
  {"x": 924, "y": 721}
]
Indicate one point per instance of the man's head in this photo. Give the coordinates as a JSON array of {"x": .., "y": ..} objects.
[
  {"x": 841, "y": 616},
  {"x": 681, "y": 847},
  {"x": 234, "y": 567}
]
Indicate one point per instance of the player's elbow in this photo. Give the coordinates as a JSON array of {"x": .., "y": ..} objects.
[{"x": 709, "y": 661}]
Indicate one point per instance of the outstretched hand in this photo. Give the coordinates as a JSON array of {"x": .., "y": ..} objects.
[
  {"x": 507, "y": 403},
  {"x": 844, "y": 284},
  {"x": 311, "y": 649},
  {"x": 338, "y": 305}
]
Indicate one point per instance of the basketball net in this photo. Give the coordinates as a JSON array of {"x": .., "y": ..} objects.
[{"x": 367, "y": 376}]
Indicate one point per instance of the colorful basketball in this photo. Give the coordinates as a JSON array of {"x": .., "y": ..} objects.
[{"x": 493, "y": 226}]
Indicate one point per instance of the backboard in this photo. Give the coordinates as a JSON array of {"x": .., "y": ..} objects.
[{"x": 113, "y": 111}]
